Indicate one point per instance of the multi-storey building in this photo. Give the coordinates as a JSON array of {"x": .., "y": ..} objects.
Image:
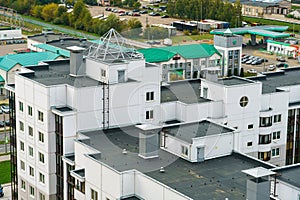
[{"x": 106, "y": 119}]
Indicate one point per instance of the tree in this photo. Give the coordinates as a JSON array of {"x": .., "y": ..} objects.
[
  {"x": 37, "y": 10},
  {"x": 135, "y": 27},
  {"x": 48, "y": 12}
]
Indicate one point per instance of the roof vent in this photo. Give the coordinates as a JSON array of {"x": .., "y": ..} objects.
[
  {"x": 162, "y": 170},
  {"x": 124, "y": 151},
  {"x": 62, "y": 42}
]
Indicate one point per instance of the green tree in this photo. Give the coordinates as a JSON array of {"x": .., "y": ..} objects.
[
  {"x": 36, "y": 11},
  {"x": 135, "y": 27},
  {"x": 48, "y": 12}
]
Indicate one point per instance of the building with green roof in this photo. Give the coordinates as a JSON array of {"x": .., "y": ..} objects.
[
  {"x": 12, "y": 63},
  {"x": 183, "y": 61}
]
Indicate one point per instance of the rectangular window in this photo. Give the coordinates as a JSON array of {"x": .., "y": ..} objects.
[
  {"x": 277, "y": 118},
  {"x": 103, "y": 73},
  {"x": 276, "y": 135},
  {"x": 42, "y": 197},
  {"x": 42, "y": 178},
  {"x": 275, "y": 152},
  {"x": 29, "y": 110},
  {"x": 40, "y": 116},
  {"x": 149, "y": 96},
  {"x": 30, "y": 131},
  {"x": 94, "y": 195},
  {"x": 23, "y": 185},
  {"x": 30, "y": 151},
  {"x": 265, "y": 121},
  {"x": 22, "y": 146},
  {"x": 21, "y": 126},
  {"x": 31, "y": 171},
  {"x": 149, "y": 114},
  {"x": 250, "y": 126},
  {"x": 21, "y": 106},
  {"x": 249, "y": 144},
  {"x": 41, "y": 157},
  {"x": 22, "y": 165},
  {"x": 265, "y": 156},
  {"x": 184, "y": 151},
  {"x": 41, "y": 137},
  {"x": 264, "y": 139},
  {"x": 31, "y": 191}
]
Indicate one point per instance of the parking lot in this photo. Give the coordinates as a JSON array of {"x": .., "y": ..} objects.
[{"x": 271, "y": 59}]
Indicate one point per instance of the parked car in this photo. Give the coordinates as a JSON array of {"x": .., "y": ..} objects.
[
  {"x": 7, "y": 122},
  {"x": 249, "y": 61},
  {"x": 154, "y": 14},
  {"x": 2, "y": 123},
  {"x": 256, "y": 62},
  {"x": 5, "y": 108},
  {"x": 281, "y": 64},
  {"x": 136, "y": 14},
  {"x": 1, "y": 191},
  {"x": 271, "y": 68},
  {"x": 252, "y": 71},
  {"x": 281, "y": 59},
  {"x": 165, "y": 16},
  {"x": 122, "y": 14},
  {"x": 143, "y": 12},
  {"x": 108, "y": 9}
]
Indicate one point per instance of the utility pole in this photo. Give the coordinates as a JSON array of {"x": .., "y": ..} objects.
[{"x": 201, "y": 19}]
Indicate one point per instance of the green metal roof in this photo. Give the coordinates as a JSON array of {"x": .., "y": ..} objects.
[
  {"x": 25, "y": 59},
  {"x": 268, "y": 31},
  {"x": 53, "y": 49},
  {"x": 187, "y": 51},
  {"x": 154, "y": 55},
  {"x": 276, "y": 42}
]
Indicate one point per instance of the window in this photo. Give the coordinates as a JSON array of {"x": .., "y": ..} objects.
[
  {"x": 41, "y": 157},
  {"x": 249, "y": 144},
  {"x": 164, "y": 66},
  {"x": 21, "y": 126},
  {"x": 149, "y": 114},
  {"x": 22, "y": 165},
  {"x": 30, "y": 151},
  {"x": 41, "y": 137},
  {"x": 94, "y": 195},
  {"x": 29, "y": 110},
  {"x": 42, "y": 178},
  {"x": 31, "y": 171},
  {"x": 149, "y": 96},
  {"x": 103, "y": 73},
  {"x": 22, "y": 146},
  {"x": 30, "y": 131},
  {"x": 265, "y": 156},
  {"x": 31, "y": 189},
  {"x": 244, "y": 101},
  {"x": 40, "y": 116},
  {"x": 276, "y": 135},
  {"x": 21, "y": 106},
  {"x": 265, "y": 121},
  {"x": 277, "y": 118},
  {"x": 23, "y": 185},
  {"x": 250, "y": 126},
  {"x": 264, "y": 139},
  {"x": 203, "y": 62},
  {"x": 80, "y": 186},
  {"x": 184, "y": 151},
  {"x": 275, "y": 152},
  {"x": 42, "y": 197}
]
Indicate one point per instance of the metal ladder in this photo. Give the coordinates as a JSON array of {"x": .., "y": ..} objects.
[{"x": 105, "y": 103}]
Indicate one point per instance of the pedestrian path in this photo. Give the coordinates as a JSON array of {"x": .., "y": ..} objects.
[{"x": 4, "y": 158}]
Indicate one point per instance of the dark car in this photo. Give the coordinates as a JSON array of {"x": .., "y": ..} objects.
[
  {"x": 136, "y": 10},
  {"x": 143, "y": 12},
  {"x": 7, "y": 122},
  {"x": 136, "y": 14},
  {"x": 154, "y": 14},
  {"x": 108, "y": 9},
  {"x": 2, "y": 123},
  {"x": 1, "y": 191},
  {"x": 281, "y": 64},
  {"x": 165, "y": 16}
]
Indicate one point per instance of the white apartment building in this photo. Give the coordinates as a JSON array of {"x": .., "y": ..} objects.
[{"x": 105, "y": 124}]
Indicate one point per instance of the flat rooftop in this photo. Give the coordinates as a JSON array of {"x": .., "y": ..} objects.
[
  {"x": 187, "y": 91},
  {"x": 218, "y": 178},
  {"x": 290, "y": 174},
  {"x": 234, "y": 81},
  {"x": 57, "y": 73},
  {"x": 189, "y": 131},
  {"x": 274, "y": 80}
]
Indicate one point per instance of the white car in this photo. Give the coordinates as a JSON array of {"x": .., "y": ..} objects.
[
  {"x": 272, "y": 67},
  {"x": 252, "y": 71}
]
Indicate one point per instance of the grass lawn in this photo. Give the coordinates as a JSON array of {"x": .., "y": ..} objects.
[
  {"x": 185, "y": 38},
  {"x": 5, "y": 172}
]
